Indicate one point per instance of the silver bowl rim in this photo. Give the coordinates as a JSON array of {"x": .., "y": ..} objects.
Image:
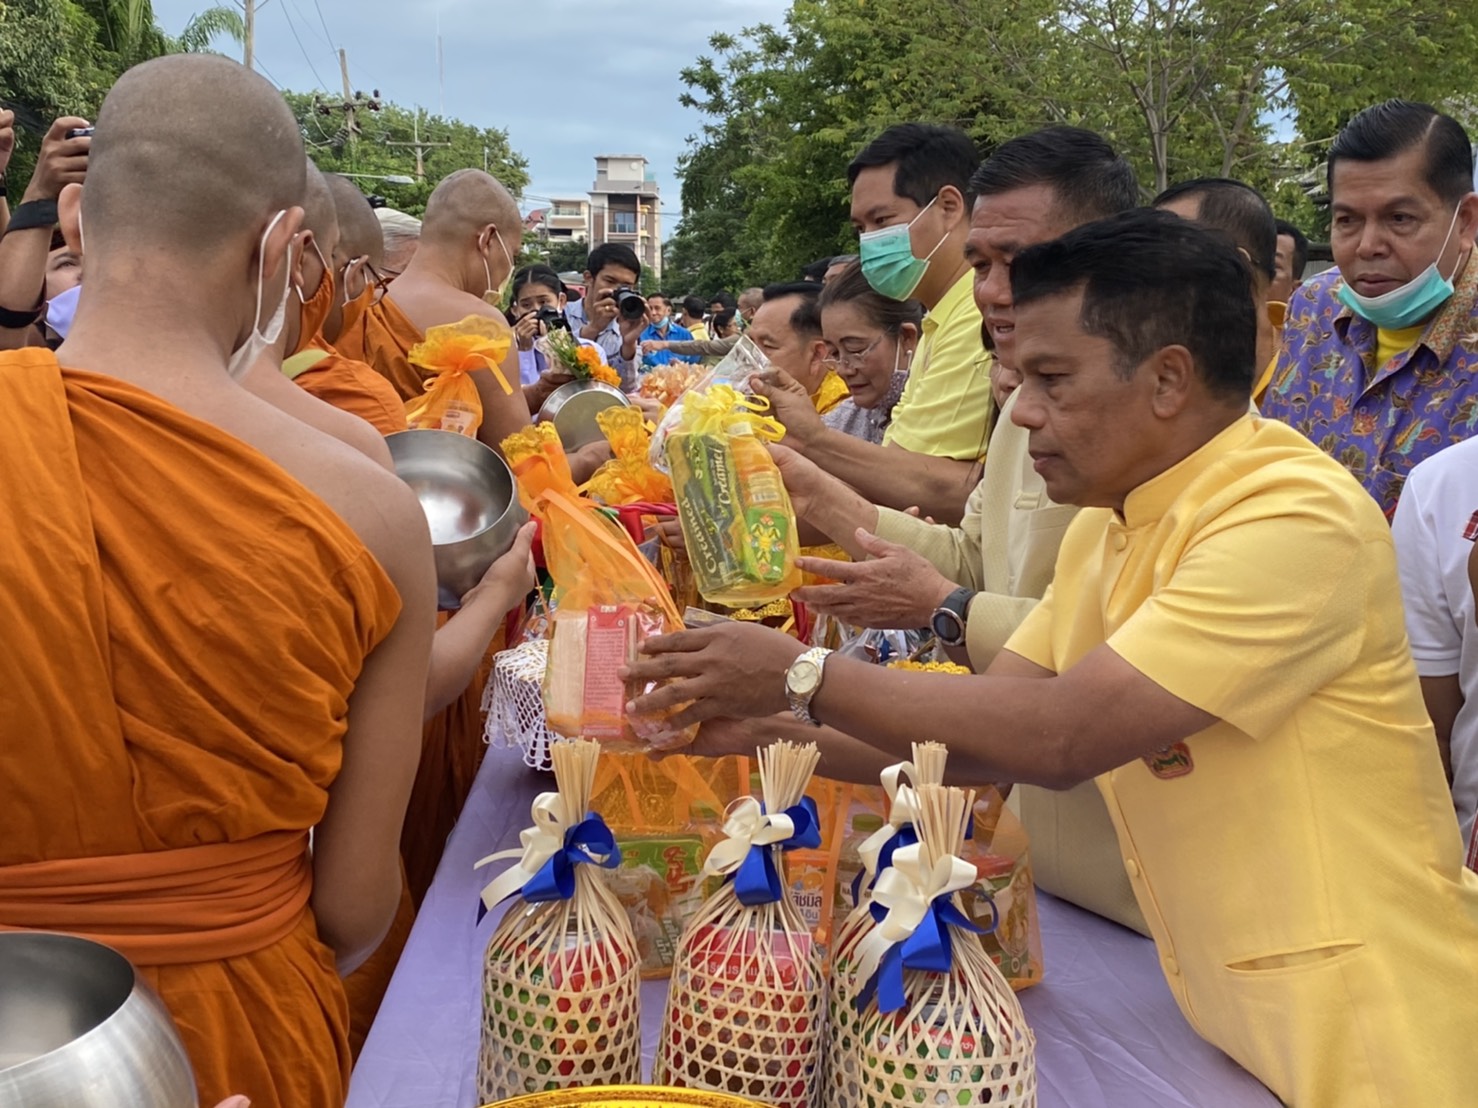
[
  {"x": 513, "y": 501},
  {"x": 138, "y": 984}
]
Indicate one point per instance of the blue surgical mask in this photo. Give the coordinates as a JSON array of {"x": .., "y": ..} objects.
[
  {"x": 1411, "y": 303},
  {"x": 888, "y": 260}
]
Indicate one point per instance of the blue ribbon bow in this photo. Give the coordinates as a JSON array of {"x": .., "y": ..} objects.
[
  {"x": 757, "y": 880},
  {"x": 590, "y": 841},
  {"x": 929, "y": 948}
]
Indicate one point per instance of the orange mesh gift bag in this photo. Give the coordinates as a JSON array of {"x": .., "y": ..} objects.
[
  {"x": 446, "y": 356},
  {"x": 607, "y": 599},
  {"x": 628, "y": 478}
]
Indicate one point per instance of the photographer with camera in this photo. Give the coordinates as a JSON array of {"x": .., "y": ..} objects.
[
  {"x": 612, "y": 314},
  {"x": 538, "y": 306}
]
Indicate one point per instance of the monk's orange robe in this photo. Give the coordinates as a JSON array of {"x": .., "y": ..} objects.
[
  {"x": 184, "y": 626},
  {"x": 348, "y": 385},
  {"x": 452, "y": 746}
]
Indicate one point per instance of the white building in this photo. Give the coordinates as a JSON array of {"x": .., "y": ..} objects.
[{"x": 625, "y": 206}]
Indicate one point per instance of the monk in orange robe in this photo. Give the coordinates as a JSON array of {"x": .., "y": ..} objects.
[
  {"x": 312, "y": 362},
  {"x": 219, "y": 619},
  {"x": 471, "y": 231}
]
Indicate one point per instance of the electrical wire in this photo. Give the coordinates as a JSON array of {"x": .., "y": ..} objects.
[
  {"x": 302, "y": 51},
  {"x": 326, "y": 35}
]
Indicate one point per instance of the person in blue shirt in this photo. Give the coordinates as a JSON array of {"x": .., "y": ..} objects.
[{"x": 661, "y": 328}]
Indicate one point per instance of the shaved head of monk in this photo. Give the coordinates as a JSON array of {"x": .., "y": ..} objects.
[
  {"x": 360, "y": 253},
  {"x": 194, "y": 189},
  {"x": 471, "y": 233},
  {"x": 313, "y": 278}
]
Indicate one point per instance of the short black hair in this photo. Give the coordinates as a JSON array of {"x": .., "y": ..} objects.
[
  {"x": 612, "y": 253},
  {"x": 1386, "y": 130},
  {"x": 1088, "y": 178},
  {"x": 537, "y": 275},
  {"x": 1300, "y": 247},
  {"x": 695, "y": 306},
  {"x": 806, "y": 318},
  {"x": 1237, "y": 210},
  {"x": 843, "y": 259},
  {"x": 927, "y": 156},
  {"x": 722, "y": 319},
  {"x": 1149, "y": 280},
  {"x": 814, "y": 271},
  {"x": 724, "y": 297}
]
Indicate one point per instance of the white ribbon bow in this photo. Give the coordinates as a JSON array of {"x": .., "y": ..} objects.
[
  {"x": 903, "y": 807},
  {"x": 541, "y": 842},
  {"x": 745, "y": 825},
  {"x": 906, "y": 889}
]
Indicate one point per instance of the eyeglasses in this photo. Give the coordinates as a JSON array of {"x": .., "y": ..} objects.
[
  {"x": 354, "y": 269},
  {"x": 854, "y": 359}
]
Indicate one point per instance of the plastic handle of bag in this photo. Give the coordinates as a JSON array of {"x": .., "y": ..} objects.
[{"x": 631, "y": 516}]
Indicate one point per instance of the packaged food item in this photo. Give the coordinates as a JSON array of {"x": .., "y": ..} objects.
[
  {"x": 737, "y": 522},
  {"x": 937, "y": 1023},
  {"x": 665, "y": 816},
  {"x": 561, "y": 984},
  {"x": 607, "y": 600},
  {"x": 446, "y": 356},
  {"x": 744, "y": 1007},
  {"x": 746, "y": 360}
]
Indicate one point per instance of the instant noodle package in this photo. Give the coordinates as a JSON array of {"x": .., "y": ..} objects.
[{"x": 561, "y": 983}]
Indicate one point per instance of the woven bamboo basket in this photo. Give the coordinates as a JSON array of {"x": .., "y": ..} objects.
[
  {"x": 841, "y": 1079},
  {"x": 561, "y": 981},
  {"x": 961, "y": 1037},
  {"x": 744, "y": 1008}
]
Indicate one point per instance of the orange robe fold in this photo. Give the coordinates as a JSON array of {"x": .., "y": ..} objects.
[
  {"x": 184, "y": 626},
  {"x": 452, "y": 746},
  {"x": 348, "y": 385}
]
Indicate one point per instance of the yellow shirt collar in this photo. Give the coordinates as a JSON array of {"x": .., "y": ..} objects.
[
  {"x": 1150, "y": 501},
  {"x": 960, "y": 294}
]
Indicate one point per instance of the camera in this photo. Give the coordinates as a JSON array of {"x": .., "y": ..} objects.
[
  {"x": 630, "y": 303},
  {"x": 80, "y": 132},
  {"x": 553, "y": 319}
]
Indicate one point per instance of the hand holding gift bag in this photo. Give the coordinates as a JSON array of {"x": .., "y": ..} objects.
[
  {"x": 607, "y": 600},
  {"x": 445, "y": 357}
]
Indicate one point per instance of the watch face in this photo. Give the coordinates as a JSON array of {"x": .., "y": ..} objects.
[
  {"x": 804, "y": 677},
  {"x": 947, "y": 627}
]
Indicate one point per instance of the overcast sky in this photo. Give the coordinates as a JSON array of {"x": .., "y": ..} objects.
[{"x": 568, "y": 79}]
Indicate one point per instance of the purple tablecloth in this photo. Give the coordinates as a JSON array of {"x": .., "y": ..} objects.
[{"x": 1108, "y": 1032}]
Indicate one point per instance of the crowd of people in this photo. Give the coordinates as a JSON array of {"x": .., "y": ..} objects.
[{"x": 1203, "y": 528}]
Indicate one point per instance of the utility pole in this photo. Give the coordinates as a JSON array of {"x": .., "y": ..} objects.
[
  {"x": 420, "y": 147},
  {"x": 352, "y": 104},
  {"x": 249, "y": 9}
]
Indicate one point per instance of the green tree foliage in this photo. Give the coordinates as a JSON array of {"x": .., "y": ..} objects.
[
  {"x": 1184, "y": 88},
  {"x": 368, "y": 151}
]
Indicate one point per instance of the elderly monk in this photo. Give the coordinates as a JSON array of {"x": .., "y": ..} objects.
[
  {"x": 312, "y": 362},
  {"x": 402, "y": 237},
  {"x": 1260, "y": 739},
  {"x": 469, "y": 237},
  {"x": 218, "y": 620}
]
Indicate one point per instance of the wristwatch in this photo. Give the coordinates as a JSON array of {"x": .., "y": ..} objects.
[
  {"x": 948, "y": 620},
  {"x": 802, "y": 680}
]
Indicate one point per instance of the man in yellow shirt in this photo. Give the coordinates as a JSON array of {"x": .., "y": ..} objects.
[
  {"x": 908, "y": 205},
  {"x": 1290, "y": 840}
]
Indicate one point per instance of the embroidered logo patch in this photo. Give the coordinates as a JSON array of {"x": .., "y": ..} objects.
[{"x": 1172, "y": 761}]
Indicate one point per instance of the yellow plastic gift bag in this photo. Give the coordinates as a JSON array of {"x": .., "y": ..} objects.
[
  {"x": 607, "y": 600},
  {"x": 628, "y": 478},
  {"x": 737, "y": 521},
  {"x": 445, "y": 358}
]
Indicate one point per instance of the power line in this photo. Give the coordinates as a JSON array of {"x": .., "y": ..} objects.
[
  {"x": 312, "y": 69},
  {"x": 327, "y": 37}
]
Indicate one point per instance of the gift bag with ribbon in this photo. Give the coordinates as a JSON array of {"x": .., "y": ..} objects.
[
  {"x": 445, "y": 357},
  {"x": 607, "y": 600},
  {"x": 937, "y": 1023},
  {"x": 738, "y": 525},
  {"x": 561, "y": 985},
  {"x": 744, "y": 1007},
  {"x": 841, "y": 1082},
  {"x": 628, "y": 478}
]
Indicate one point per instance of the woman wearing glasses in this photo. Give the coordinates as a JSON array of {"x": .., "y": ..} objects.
[{"x": 872, "y": 339}]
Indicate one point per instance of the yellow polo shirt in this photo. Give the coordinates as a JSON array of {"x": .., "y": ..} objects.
[
  {"x": 1299, "y": 863},
  {"x": 946, "y": 406}
]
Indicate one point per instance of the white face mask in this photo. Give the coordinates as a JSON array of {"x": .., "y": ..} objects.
[
  {"x": 244, "y": 355},
  {"x": 494, "y": 296},
  {"x": 61, "y": 309}
]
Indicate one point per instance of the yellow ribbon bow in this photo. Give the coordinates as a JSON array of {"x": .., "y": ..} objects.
[
  {"x": 717, "y": 408},
  {"x": 541, "y": 842},
  {"x": 745, "y": 825},
  {"x": 903, "y": 807},
  {"x": 906, "y": 889}
]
